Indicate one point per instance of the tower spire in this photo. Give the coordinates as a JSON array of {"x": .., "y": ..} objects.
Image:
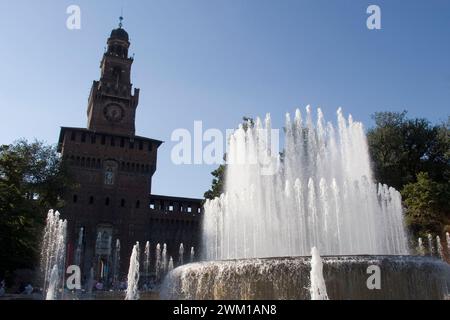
[{"x": 120, "y": 20}]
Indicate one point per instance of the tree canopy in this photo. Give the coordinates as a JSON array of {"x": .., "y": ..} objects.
[
  {"x": 413, "y": 156},
  {"x": 32, "y": 180},
  {"x": 401, "y": 148}
]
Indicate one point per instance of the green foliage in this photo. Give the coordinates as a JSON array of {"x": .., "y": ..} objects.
[
  {"x": 401, "y": 148},
  {"x": 32, "y": 180},
  {"x": 413, "y": 155},
  {"x": 427, "y": 205},
  {"x": 217, "y": 183}
]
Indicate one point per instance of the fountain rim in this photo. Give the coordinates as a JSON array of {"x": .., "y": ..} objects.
[{"x": 329, "y": 257}]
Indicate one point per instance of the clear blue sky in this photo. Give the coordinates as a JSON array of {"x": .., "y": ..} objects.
[{"x": 217, "y": 61}]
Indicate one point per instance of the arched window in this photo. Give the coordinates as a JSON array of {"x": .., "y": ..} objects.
[
  {"x": 138, "y": 204},
  {"x": 122, "y": 203},
  {"x": 107, "y": 201},
  {"x": 91, "y": 200},
  {"x": 75, "y": 198}
]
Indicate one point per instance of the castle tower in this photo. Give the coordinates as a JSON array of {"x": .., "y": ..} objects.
[
  {"x": 112, "y": 104},
  {"x": 111, "y": 166}
]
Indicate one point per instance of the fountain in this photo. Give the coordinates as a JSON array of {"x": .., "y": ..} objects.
[
  {"x": 447, "y": 237},
  {"x": 78, "y": 251},
  {"x": 318, "y": 290},
  {"x": 321, "y": 194},
  {"x": 147, "y": 261},
  {"x": 192, "y": 255},
  {"x": 440, "y": 249},
  {"x": 420, "y": 247},
  {"x": 181, "y": 255},
  {"x": 132, "y": 292},
  {"x": 164, "y": 259},
  {"x": 53, "y": 254},
  {"x": 158, "y": 262},
  {"x": 318, "y": 193},
  {"x": 430, "y": 245},
  {"x": 170, "y": 266}
]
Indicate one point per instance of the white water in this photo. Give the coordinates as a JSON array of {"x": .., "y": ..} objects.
[
  {"x": 447, "y": 237},
  {"x": 170, "y": 266},
  {"x": 181, "y": 255},
  {"x": 430, "y": 245},
  {"x": 164, "y": 259},
  {"x": 318, "y": 289},
  {"x": 192, "y": 255},
  {"x": 53, "y": 253},
  {"x": 440, "y": 249},
  {"x": 420, "y": 247},
  {"x": 79, "y": 248},
  {"x": 158, "y": 261},
  {"x": 52, "y": 291},
  {"x": 320, "y": 194},
  {"x": 147, "y": 259},
  {"x": 133, "y": 275}
]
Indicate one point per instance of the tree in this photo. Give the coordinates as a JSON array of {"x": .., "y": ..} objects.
[
  {"x": 427, "y": 205},
  {"x": 32, "y": 180},
  {"x": 217, "y": 186},
  {"x": 401, "y": 148},
  {"x": 413, "y": 156}
]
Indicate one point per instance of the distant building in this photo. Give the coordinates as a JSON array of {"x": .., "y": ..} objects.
[{"x": 113, "y": 169}]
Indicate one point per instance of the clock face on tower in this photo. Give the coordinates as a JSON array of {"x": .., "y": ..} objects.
[{"x": 113, "y": 112}]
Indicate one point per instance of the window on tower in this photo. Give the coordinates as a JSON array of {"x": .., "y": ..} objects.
[{"x": 109, "y": 176}]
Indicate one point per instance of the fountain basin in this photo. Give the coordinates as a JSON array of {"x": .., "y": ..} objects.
[{"x": 288, "y": 278}]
